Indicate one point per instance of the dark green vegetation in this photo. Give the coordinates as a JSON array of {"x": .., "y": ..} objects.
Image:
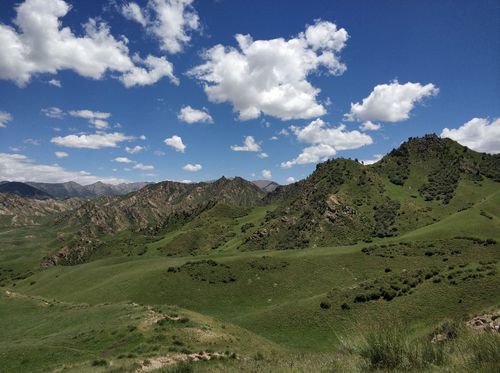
[{"x": 356, "y": 268}]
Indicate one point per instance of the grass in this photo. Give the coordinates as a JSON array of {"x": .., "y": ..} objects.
[{"x": 276, "y": 310}]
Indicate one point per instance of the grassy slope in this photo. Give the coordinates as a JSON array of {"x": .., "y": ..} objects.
[{"x": 271, "y": 301}]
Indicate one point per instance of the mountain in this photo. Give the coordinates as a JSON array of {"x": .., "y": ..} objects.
[
  {"x": 151, "y": 210},
  {"x": 71, "y": 189},
  {"x": 344, "y": 202},
  {"x": 404, "y": 252},
  {"x": 63, "y": 190},
  {"x": 16, "y": 210},
  {"x": 266, "y": 185},
  {"x": 23, "y": 190}
]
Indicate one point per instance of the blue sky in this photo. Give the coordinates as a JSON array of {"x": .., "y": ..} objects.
[{"x": 309, "y": 81}]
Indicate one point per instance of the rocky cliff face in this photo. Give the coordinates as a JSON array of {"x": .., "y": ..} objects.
[{"x": 16, "y": 210}]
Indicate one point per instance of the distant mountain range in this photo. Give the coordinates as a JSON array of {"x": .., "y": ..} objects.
[
  {"x": 23, "y": 190},
  {"x": 342, "y": 202},
  {"x": 266, "y": 185},
  {"x": 67, "y": 190},
  {"x": 72, "y": 189}
]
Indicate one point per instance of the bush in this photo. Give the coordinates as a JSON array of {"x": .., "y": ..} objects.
[
  {"x": 99, "y": 363},
  {"x": 325, "y": 305},
  {"x": 345, "y": 306}
]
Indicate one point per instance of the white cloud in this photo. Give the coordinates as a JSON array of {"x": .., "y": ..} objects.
[
  {"x": 189, "y": 115},
  {"x": 4, "y": 118},
  {"x": 30, "y": 141},
  {"x": 61, "y": 154},
  {"x": 94, "y": 141},
  {"x": 192, "y": 167},
  {"x": 391, "y": 102},
  {"x": 266, "y": 174},
  {"x": 478, "y": 134},
  {"x": 273, "y": 138},
  {"x": 170, "y": 21},
  {"x": 325, "y": 142},
  {"x": 17, "y": 167},
  {"x": 155, "y": 69},
  {"x": 123, "y": 160},
  {"x": 95, "y": 118},
  {"x": 55, "y": 83},
  {"x": 376, "y": 158},
  {"x": 136, "y": 149},
  {"x": 144, "y": 167},
  {"x": 249, "y": 145},
  {"x": 316, "y": 132},
  {"x": 270, "y": 76},
  {"x": 176, "y": 143},
  {"x": 263, "y": 155},
  {"x": 133, "y": 12},
  {"x": 369, "y": 126},
  {"x": 54, "y": 112},
  {"x": 290, "y": 180},
  {"x": 39, "y": 43},
  {"x": 311, "y": 154}
]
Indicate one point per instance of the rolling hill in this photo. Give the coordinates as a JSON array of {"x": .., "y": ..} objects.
[{"x": 222, "y": 277}]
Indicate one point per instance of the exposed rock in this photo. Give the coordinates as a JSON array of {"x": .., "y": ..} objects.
[{"x": 486, "y": 322}]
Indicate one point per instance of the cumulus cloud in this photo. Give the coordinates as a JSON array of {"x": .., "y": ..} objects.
[
  {"x": 263, "y": 155},
  {"x": 290, "y": 180},
  {"x": 391, "y": 102},
  {"x": 267, "y": 174},
  {"x": 136, "y": 149},
  {"x": 192, "y": 167},
  {"x": 249, "y": 145},
  {"x": 176, "y": 143},
  {"x": 325, "y": 142},
  {"x": 123, "y": 160},
  {"x": 94, "y": 141},
  {"x": 170, "y": 21},
  {"x": 270, "y": 76},
  {"x": 54, "y": 112},
  {"x": 4, "y": 118},
  {"x": 39, "y": 43},
  {"x": 155, "y": 68},
  {"x": 61, "y": 154},
  {"x": 144, "y": 167},
  {"x": 189, "y": 115},
  {"x": 311, "y": 154},
  {"x": 18, "y": 167},
  {"x": 55, "y": 83},
  {"x": 369, "y": 126},
  {"x": 479, "y": 134},
  {"x": 95, "y": 118},
  {"x": 375, "y": 159}
]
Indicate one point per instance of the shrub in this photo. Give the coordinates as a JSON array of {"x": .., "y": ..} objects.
[
  {"x": 345, "y": 306},
  {"x": 325, "y": 305},
  {"x": 99, "y": 363}
]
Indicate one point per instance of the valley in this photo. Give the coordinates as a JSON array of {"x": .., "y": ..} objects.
[{"x": 225, "y": 276}]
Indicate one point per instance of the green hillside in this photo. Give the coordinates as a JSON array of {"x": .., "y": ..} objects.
[{"x": 356, "y": 268}]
